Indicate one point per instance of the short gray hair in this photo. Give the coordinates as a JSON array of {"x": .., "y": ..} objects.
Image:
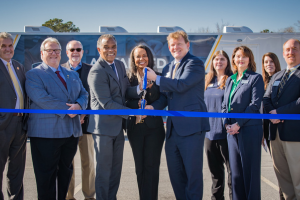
[
  {"x": 73, "y": 41},
  {"x": 49, "y": 39},
  {"x": 108, "y": 36},
  {"x": 6, "y": 35}
]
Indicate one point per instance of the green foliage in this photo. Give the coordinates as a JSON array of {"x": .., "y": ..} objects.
[{"x": 57, "y": 25}]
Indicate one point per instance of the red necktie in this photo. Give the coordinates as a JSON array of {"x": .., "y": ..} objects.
[{"x": 61, "y": 79}]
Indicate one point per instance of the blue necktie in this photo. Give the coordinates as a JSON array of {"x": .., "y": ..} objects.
[{"x": 114, "y": 68}]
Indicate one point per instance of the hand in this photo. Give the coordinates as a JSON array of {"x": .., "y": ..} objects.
[
  {"x": 82, "y": 119},
  {"x": 75, "y": 106},
  {"x": 138, "y": 118},
  {"x": 149, "y": 107},
  {"x": 263, "y": 141},
  {"x": 151, "y": 75},
  {"x": 275, "y": 121},
  {"x": 233, "y": 129},
  {"x": 140, "y": 102}
]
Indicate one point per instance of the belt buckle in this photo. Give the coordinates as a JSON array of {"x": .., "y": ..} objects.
[{"x": 19, "y": 114}]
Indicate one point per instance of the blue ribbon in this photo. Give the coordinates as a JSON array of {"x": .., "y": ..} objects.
[{"x": 158, "y": 113}]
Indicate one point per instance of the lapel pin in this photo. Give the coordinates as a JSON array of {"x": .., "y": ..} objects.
[
  {"x": 67, "y": 76},
  {"x": 18, "y": 68}
]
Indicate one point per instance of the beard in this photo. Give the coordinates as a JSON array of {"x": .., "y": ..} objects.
[{"x": 75, "y": 59}]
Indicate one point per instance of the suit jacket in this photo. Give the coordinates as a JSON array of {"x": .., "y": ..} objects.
[
  {"x": 152, "y": 95},
  {"x": 184, "y": 93},
  {"x": 47, "y": 92},
  {"x": 83, "y": 74},
  {"x": 288, "y": 102},
  {"x": 107, "y": 93},
  {"x": 246, "y": 98},
  {"x": 9, "y": 96}
]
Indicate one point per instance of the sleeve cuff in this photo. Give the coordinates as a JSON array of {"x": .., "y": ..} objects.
[{"x": 138, "y": 90}]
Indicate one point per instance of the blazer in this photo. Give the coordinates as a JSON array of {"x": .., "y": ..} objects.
[
  {"x": 152, "y": 95},
  {"x": 9, "y": 96},
  {"x": 47, "y": 92},
  {"x": 246, "y": 98},
  {"x": 288, "y": 102},
  {"x": 184, "y": 93},
  {"x": 83, "y": 74},
  {"x": 107, "y": 93}
]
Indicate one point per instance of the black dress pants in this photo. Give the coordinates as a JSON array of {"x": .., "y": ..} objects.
[
  {"x": 146, "y": 147},
  {"x": 217, "y": 155},
  {"x": 52, "y": 163}
]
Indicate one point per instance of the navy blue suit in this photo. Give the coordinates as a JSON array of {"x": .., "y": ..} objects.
[
  {"x": 185, "y": 136},
  {"x": 245, "y": 147}
]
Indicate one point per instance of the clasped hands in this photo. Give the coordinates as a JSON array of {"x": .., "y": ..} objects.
[
  {"x": 232, "y": 129},
  {"x": 74, "y": 106},
  {"x": 275, "y": 121}
]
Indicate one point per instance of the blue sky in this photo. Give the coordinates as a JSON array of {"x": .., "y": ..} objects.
[{"x": 145, "y": 16}]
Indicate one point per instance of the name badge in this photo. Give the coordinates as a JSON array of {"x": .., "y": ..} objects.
[
  {"x": 276, "y": 83},
  {"x": 210, "y": 85},
  {"x": 245, "y": 81},
  {"x": 168, "y": 75}
]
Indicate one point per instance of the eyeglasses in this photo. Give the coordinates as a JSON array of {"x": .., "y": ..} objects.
[
  {"x": 77, "y": 49},
  {"x": 57, "y": 51}
]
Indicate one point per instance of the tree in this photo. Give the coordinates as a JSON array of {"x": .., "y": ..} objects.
[
  {"x": 298, "y": 24},
  {"x": 57, "y": 25},
  {"x": 265, "y": 31},
  {"x": 289, "y": 29},
  {"x": 220, "y": 26}
]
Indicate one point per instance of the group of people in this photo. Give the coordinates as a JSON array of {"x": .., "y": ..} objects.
[{"x": 229, "y": 87}]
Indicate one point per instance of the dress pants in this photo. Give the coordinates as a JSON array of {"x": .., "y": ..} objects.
[
  {"x": 86, "y": 149},
  {"x": 286, "y": 161},
  {"x": 146, "y": 147},
  {"x": 52, "y": 163},
  {"x": 185, "y": 164},
  {"x": 109, "y": 160},
  {"x": 245, "y": 162},
  {"x": 217, "y": 155},
  {"x": 13, "y": 151}
]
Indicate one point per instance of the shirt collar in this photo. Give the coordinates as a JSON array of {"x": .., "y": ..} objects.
[
  {"x": 109, "y": 63},
  {"x": 54, "y": 70},
  {"x": 5, "y": 62},
  {"x": 294, "y": 68},
  {"x": 77, "y": 67},
  {"x": 234, "y": 76}
]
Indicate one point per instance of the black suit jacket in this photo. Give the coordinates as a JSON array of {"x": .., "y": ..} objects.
[
  {"x": 152, "y": 95},
  {"x": 9, "y": 96},
  {"x": 83, "y": 74},
  {"x": 288, "y": 102}
]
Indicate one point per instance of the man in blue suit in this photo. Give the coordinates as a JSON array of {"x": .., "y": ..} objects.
[
  {"x": 54, "y": 137},
  {"x": 182, "y": 89}
]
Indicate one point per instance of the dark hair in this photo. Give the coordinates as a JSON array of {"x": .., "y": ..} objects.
[
  {"x": 265, "y": 75},
  {"x": 212, "y": 72},
  {"x": 132, "y": 67},
  {"x": 247, "y": 52}
]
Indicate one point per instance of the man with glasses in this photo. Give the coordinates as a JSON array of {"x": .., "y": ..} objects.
[
  {"x": 12, "y": 136},
  {"x": 86, "y": 142},
  {"x": 54, "y": 137}
]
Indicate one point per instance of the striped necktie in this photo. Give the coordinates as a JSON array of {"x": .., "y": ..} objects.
[
  {"x": 175, "y": 69},
  {"x": 16, "y": 85},
  {"x": 283, "y": 81}
]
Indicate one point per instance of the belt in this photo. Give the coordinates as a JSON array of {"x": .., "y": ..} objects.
[{"x": 18, "y": 114}]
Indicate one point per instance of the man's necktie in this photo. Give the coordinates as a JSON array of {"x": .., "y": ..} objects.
[
  {"x": 114, "y": 68},
  {"x": 61, "y": 79},
  {"x": 283, "y": 81},
  {"x": 175, "y": 69},
  {"x": 16, "y": 85}
]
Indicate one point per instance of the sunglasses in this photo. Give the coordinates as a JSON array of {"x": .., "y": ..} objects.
[{"x": 78, "y": 50}]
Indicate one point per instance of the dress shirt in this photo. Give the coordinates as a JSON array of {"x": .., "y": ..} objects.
[
  {"x": 58, "y": 69},
  {"x": 111, "y": 67},
  {"x": 13, "y": 69},
  {"x": 75, "y": 68},
  {"x": 234, "y": 86},
  {"x": 293, "y": 69},
  {"x": 157, "y": 81}
]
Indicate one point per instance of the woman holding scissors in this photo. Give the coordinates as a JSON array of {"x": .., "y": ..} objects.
[{"x": 146, "y": 136}]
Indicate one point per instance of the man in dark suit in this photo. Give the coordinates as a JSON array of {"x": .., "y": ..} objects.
[
  {"x": 85, "y": 142},
  {"x": 182, "y": 87},
  {"x": 54, "y": 137},
  {"x": 283, "y": 97},
  {"x": 108, "y": 84},
  {"x": 12, "y": 136}
]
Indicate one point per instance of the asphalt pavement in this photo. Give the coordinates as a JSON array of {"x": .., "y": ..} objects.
[{"x": 128, "y": 188}]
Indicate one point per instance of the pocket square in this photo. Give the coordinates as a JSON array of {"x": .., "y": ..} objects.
[{"x": 168, "y": 75}]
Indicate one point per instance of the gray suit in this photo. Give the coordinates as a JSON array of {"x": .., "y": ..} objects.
[
  {"x": 108, "y": 92},
  {"x": 12, "y": 137}
]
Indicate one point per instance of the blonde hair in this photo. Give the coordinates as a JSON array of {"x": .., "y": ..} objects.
[
  {"x": 6, "y": 35},
  {"x": 176, "y": 35}
]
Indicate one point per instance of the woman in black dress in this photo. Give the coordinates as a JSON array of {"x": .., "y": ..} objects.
[
  {"x": 146, "y": 136},
  {"x": 216, "y": 146}
]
